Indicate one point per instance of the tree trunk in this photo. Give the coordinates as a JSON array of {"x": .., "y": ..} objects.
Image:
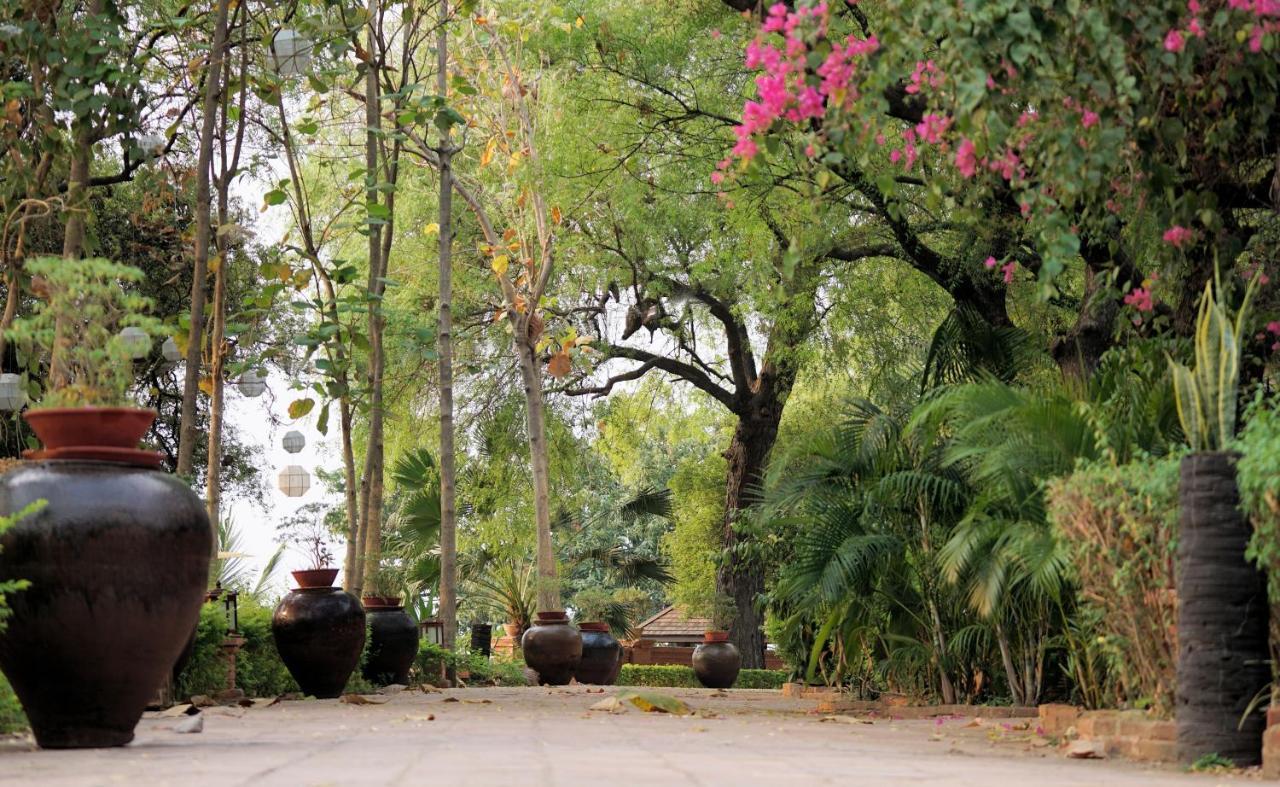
[
  {"x": 548, "y": 585},
  {"x": 1010, "y": 669},
  {"x": 444, "y": 340},
  {"x": 353, "y": 565},
  {"x": 195, "y": 335},
  {"x": 1222, "y": 617}
]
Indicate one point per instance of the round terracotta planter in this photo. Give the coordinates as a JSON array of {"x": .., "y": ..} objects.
[
  {"x": 315, "y": 577},
  {"x": 319, "y": 633},
  {"x": 716, "y": 661},
  {"x": 552, "y": 648},
  {"x": 118, "y": 561},
  {"x": 601, "y": 655},
  {"x": 104, "y": 427},
  {"x": 393, "y": 643}
]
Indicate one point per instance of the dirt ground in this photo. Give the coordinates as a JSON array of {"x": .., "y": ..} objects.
[{"x": 542, "y": 736}]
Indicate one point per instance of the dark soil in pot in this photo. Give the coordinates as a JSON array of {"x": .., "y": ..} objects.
[
  {"x": 118, "y": 562},
  {"x": 319, "y": 633},
  {"x": 393, "y": 644},
  {"x": 1222, "y": 617},
  {"x": 601, "y": 655},
  {"x": 716, "y": 662},
  {"x": 552, "y": 648}
]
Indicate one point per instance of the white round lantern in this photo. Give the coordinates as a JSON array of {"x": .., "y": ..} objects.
[
  {"x": 170, "y": 351},
  {"x": 294, "y": 481},
  {"x": 13, "y": 393},
  {"x": 136, "y": 341},
  {"x": 294, "y": 441},
  {"x": 291, "y": 52},
  {"x": 252, "y": 383}
]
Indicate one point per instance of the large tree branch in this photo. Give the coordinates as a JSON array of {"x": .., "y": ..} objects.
[{"x": 687, "y": 372}]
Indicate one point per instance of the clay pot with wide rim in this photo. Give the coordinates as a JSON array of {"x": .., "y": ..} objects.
[
  {"x": 716, "y": 661},
  {"x": 319, "y": 632},
  {"x": 552, "y": 648},
  {"x": 393, "y": 642},
  {"x": 118, "y": 561},
  {"x": 601, "y": 655}
]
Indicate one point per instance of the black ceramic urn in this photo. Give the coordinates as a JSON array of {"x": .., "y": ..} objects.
[
  {"x": 319, "y": 632},
  {"x": 552, "y": 648},
  {"x": 601, "y": 655},
  {"x": 393, "y": 644}
]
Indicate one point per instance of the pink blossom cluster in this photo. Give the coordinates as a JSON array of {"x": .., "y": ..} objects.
[
  {"x": 1266, "y": 15},
  {"x": 1178, "y": 236},
  {"x": 1140, "y": 299},
  {"x": 926, "y": 74},
  {"x": 1007, "y": 270}
]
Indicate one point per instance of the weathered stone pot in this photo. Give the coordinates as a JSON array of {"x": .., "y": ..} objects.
[
  {"x": 601, "y": 655},
  {"x": 1222, "y": 617},
  {"x": 118, "y": 561},
  {"x": 319, "y": 632},
  {"x": 552, "y": 648},
  {"x": 716, "y": 661},
  {"x": 393, "y": 642}
]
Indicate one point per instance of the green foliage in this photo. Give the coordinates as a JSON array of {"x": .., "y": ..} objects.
[
  {"x": 13, "y": 585},
  {"x": 1207, "y": 396},
  {"x": 1119, "y": 528},
  {"x": 78, "y": 323},
  {"x": 259, "y": 670},
  {"x": 679, "y": 677},
  {"x": 693, "y": 545},
  {"x": 12, "y": 719},
  {"x": 433, "y": 659},
  {"x": 1258, "y": 476}
]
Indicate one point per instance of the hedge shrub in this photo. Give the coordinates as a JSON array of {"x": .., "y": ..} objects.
[
  {"x": 12, "y": 718},
  {"x": 490, "y": 671},
  {"x": 259, "y": 670},
  {"x": 679, "y": 677}
]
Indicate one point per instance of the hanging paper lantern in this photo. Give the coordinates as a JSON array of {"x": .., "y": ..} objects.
[
  {"x": 294, "y": 441},
  {"x": 252, "y": 383},
  {"x": 136, "y": 341},
  {"x": 294, "y": 481},
  {"x": 13, "y": 393},
  {"x": 291, "y": 52},
  {"x": 170, "y": 350}
]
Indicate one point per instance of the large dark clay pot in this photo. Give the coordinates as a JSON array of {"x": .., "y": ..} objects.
[
  {"x": 716, "y": 662},
  {"x": 118, "y": 562},
  {"x": 601, "y": 655},
  {"x": 393, "y": 644},
  {"x": 319, "y": 633},
  {"x": 1222, "y": 617},
  {"x": 552, "y": 648}
]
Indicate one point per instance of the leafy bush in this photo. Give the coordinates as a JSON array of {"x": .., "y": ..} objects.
[
  {"x": 1120, "y": 528},
  {"x": 12, "y": 719},
  {"x": 680, "y": 677},
  {"x": 1258, "y": 474},
  {"x": 432, "y": 659},
  {"x": 259, "y": 670}
]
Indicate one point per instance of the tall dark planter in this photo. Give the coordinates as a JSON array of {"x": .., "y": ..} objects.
[
  {"x": 393, "y": 644},
  {"x": 552, "y": 648},
  {"x": 1222, "y": 617},
  {"x": 716, "y": 661},
  {"x": 601, "y": 655},
  {"x": 319, "y": 633},
  {"x": 118, "y": 561}
]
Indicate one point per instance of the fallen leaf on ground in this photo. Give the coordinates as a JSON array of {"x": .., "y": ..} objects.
[
  {"x": 178, "y": 710},
  {"x": 288, "y": 696},
  {"x": 360, "y": 699},
  {"x": 451, "y": 699},
  {"x": 1086, "y": 750},
  {"x": 974, "y": 723},
  {"x": 428, "y": 717},
  {"x": 610, "y": 704},
  {"x": 427, "y": 688},
  {"x": 847, "y": 720},
  {"x": 595, "y": 691},
  {"x": 478, "y": 702},
  {"x": 653, "y": 702},
  {"x": 703, "y": 713},
  {"x": 190, "y": 724},
  {"x": 393, "y": 688}
]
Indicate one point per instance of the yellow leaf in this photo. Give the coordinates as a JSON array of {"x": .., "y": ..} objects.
[
  {"x": 206, "y": 385},
  {"x": 555, "y": 211},
  {"x": 500, "y": 264},
  {"x": 215, "y": 262},
  {"x": 431, "y": 229},
  {"x": 579, "y": 22}
]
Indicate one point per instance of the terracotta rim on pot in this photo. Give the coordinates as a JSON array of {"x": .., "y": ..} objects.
[
  {"x": 715, "y": 636},
  {"x": 382, "y": 602},
  {"x": 594, "y": 626},
  {"x": 315, "y": 577},
  {"x": 554, "y": 616},
  {"x": 85, "y": 427}
]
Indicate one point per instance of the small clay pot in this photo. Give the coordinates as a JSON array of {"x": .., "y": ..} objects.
[
  {"x": 118, "y": 561},
  {"x": 601, "y": 655},
  {"x": 319, "y": 633},
  {"x": 552, "y": 648},
  {"x": 393, "y": 644},
  {"x": 716, "y": 661}
]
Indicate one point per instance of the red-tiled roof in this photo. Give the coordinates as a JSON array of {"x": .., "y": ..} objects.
[{"x": 671, "y": 622}]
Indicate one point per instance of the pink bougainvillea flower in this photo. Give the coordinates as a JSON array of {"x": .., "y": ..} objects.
[
  {"x": 967, "y": 158},
  {"x": 1177, "y": 236},
  {"x": 1007, "y": 270},
  {"x": 932, "y": 128},
  {"x": 1140, "y": 299},
  {"x": 1195, "y": 28},
  {"x": 1174, "y": 42},
  {"x": 1089, "y": 118},
  {"x": 1274, "y": 327},
  {"x": 991, "y": 262},
  {"x": 717, "y": 178},
  {"x": 810, "y": 150},
  {"x": 716, "y": 34}
]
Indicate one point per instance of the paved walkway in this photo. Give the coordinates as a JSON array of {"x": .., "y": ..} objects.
[{"x": 540, "y": 736}]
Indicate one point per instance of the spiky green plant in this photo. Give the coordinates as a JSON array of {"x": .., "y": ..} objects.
[{"x": 1207, "y": 395}]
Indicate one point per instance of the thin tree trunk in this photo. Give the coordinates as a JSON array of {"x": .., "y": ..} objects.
[
  {"x": 195, "y": 335},
  {"x": 548, "y": 584},
  {"x": 444, "y": 340},
  {"x": 1010, "y": 670},
  {"x": 354, "y": 563}
]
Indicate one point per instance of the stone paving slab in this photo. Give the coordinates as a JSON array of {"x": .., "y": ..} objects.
[{"x": 541, "y": 736}]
